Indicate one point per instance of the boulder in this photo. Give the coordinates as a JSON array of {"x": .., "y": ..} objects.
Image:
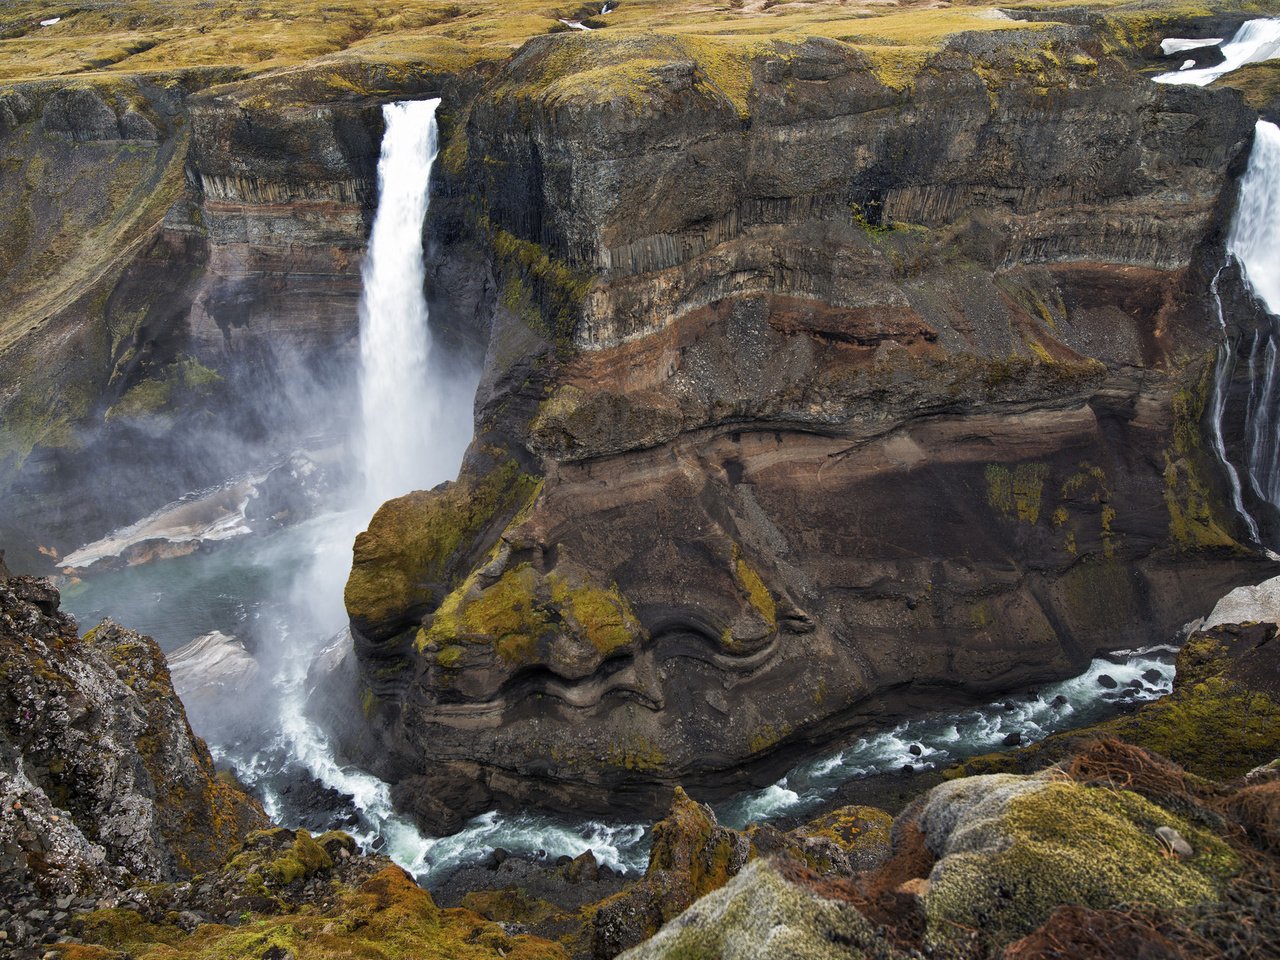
[{"x": 1055, "y": 842}]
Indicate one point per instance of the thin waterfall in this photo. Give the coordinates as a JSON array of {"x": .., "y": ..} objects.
[
  {"x": 1221, "y": 378},
  {"x": 1254, "y": 244},
  {"x": 398, "y": 401}
]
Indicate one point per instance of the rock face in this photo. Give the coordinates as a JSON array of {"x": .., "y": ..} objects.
[
  {"x": 204, "y": 304},
  {"x": 854, "y": 396},
  {"x": 102, "y": 780}
]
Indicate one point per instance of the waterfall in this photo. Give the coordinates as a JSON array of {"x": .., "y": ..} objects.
[
  {"x": 1255, "y": 233},
  {"x": 1254, "y": 42},
  {"x": 1254, "y": 244},
  {"x": 397, "y": 397}
]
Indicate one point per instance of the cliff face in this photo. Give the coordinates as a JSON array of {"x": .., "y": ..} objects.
[
  {"x": 854, "y": 394},
  {"x": 191, "y": 313},
  {"x": 826, "y": 378},
  {"x": 102, "y": 779}
]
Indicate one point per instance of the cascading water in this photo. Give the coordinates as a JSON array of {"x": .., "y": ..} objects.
[
  {"x": 1254, "y": 42},
  {"x": 1254, "y": 244},
  {"x": 396, "y": 395}
]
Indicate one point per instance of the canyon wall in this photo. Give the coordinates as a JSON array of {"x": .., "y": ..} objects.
[
  {"x": 850, "y": 397},
  {"x": 823, "y": 381}
]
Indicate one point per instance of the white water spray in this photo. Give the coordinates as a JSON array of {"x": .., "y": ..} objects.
[
  {"x": 1255, "y": 232},
  {"x": 397, "y": 399},
  {"x": 1254, "y": 243}
]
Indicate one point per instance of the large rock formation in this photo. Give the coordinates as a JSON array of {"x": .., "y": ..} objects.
[
  {"x": 853, "y": 391},
  {"x": 102, "y": 782}
]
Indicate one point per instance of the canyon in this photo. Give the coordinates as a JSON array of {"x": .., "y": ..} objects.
[{"x": 822, "y": 368}]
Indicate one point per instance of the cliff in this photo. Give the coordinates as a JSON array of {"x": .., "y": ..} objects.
[
  {"x": 819, "y": 393},
  {"x": 837, "y": 363}
]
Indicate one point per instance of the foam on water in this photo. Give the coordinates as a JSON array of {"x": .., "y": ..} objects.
[{"x": 938, "y": 741}]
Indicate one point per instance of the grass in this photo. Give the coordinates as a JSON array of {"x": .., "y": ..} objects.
[{"x": 113, "y": 37}]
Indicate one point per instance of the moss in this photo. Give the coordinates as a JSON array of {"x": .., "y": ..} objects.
[
  {"x": 143, "y": 399},
  {"x": 604, "y": 617},
  {"x": 853, "y": 828},
  {"x": 450, "y": 656},
  {"x": 637, "y": 753},
  {"x": 1017, "y": 492},
  {"x": 753, "y": 586},
  {"x": 415, "y": 540},
  {"x": 1066, "y": 843},
  {"x": 276, "y": 864},
  {"x": 1195, "y": 521},
  {"x": 544, "y": 290},
  {"x": 523, "y": 608}
]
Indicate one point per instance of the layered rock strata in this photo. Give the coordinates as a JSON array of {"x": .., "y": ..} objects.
[{"x": 851, "y": 398}]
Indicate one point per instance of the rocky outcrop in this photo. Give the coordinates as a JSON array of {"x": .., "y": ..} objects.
[
  {"x": 769, "y": 912},
  {"x": 858, "y": 396},
  {"x": 103, "y": 781}
]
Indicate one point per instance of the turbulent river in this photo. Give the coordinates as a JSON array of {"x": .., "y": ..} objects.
[{"x": 280, "y": 592}]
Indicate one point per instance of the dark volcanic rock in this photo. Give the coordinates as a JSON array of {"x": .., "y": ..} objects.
[
  {"x": 878, "y": 364},
  {"x": 101, "y": 777}
]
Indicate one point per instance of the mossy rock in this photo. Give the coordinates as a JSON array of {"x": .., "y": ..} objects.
[
  {"x": 763, "y": 914},
  {"x": 1012, "y": 848},
  {"x": 524, "y": 612},
  {"x": 405, "y": 562},
  {"x": 862, "y": 832},
  {"x": 385, "y": 917},
  {"x": 281, "y": 857}
]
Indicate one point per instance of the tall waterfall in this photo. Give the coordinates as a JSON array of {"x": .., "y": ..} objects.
[
  {"x": 1254, "y": 244},
  {"x": 398, "y": 400}
]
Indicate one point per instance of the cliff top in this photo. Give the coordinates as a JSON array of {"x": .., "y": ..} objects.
[{"x": 222, "y": 40}]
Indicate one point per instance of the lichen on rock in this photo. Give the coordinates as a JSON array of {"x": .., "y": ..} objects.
[{"x": 1012, "y": 848}]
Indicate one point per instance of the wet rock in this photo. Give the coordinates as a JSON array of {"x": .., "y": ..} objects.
[
  {"x": 1059, "y": 702},
  {"x": 1106, "y": 681},
  {"x": 915, "y": 750},
  {"x": 583, "y": 868},
  {"x": 1152, "y": 675},
  {"x": 1012, "y": 739}
]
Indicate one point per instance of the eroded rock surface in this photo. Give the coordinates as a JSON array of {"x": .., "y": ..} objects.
[
  {"x": 103, "y": 781},
  {"x": 848, "y": 399}
]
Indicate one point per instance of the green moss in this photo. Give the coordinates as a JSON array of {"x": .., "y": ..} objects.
[
  {"x": 387, "y": 917},
  {"x": 1194, "y": 515},
  {"x": 758, "y": 594},
  {"x": 522, "y": 608},
  {"x": 604, "y": 617},
  {"x": 1066, "y": 843},
  {"x": 415, "y": 540},
  {"x": 1017, "y": 492},
  {"x": 143, "y": 399},
  {"x": 450, "y": 656},
  {"x": 637, "y": 753},
  {"x": 544, "y": 290}
]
